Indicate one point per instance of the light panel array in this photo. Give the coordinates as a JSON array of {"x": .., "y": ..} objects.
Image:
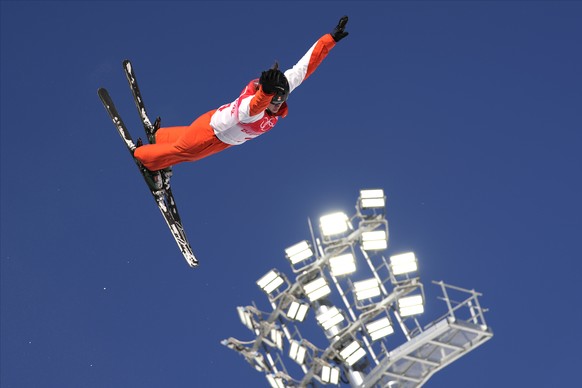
[
  {"x": 297, "y": 352},
  {"x": 403, "y": 263},
  {"x": 352, "y": 353},
  {"x": 370, "y": 199},
  {"x": 330, "y": 375},
  {"x": 379, "y": 328},
  {"x": 330, "y": 318},
  {"x": 270, "y": 281},
  {"x": 299, "y": 252},
  {"x": 297, "y": 311},
  {"x": 275, "y": 382},
  {"x": 342, "y": 265},
  {"x": 366, "y": 289},
  {"x": 317, "y": 289},
  {"x": 374, "y": 241},
  {"x": 410, "y": 305},
  {"x": 277, "y": 338},
  {"x": 333, "y": 224},
  {"x": 245, "y": 317}
]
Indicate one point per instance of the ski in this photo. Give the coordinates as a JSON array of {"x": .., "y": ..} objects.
[
  {"x": 149, "y": 129},
  {"x": 162, "y": 194},
  {"x": 132, "y": 80}
]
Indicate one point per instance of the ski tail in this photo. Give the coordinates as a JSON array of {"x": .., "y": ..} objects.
[{"x": 117, "y": 121}]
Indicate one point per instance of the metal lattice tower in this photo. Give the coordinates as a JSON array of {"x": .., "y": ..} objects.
[{"x": 368, "y": 308}]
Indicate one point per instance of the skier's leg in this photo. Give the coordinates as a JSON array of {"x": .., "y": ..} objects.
[
  {"x": 180, "y": 144},
  {"x": 170, "y": 134},
  {"x": 156, "y": 156},
  {"x": 200, "y": 141}
]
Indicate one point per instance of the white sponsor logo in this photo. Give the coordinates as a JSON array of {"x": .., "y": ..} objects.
[{"x": 269, "y": 122}]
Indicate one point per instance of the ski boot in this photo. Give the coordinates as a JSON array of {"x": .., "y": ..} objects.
[
  {"x": 166, "y": 174},
  {"x": 154, "y": 179}
]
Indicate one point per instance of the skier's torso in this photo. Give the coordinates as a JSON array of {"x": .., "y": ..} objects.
[{"x": 233, "y": 125}]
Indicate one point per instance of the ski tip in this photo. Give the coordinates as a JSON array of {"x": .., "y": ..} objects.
[
  {"x": 191, "y": 260},
  {"x": 102, "y": 92}
]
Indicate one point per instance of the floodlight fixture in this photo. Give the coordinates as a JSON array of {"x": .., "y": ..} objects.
[
  {"x": 333, "y": 224},
  {"x": 270, "y": 281},
  {"x": 245, "y": 317},
  {"x": 410, "y": 305},
  {"x": 342, "y": 265},
  {"x": 366, "y": 289},
  {"x": 371, "y": 199},
  {"x": 352, "y": 353},
  {"x": 297, "y": 352},
  {"x": 277, "y": 338},
  {"x": 299, "y": 252},
  {"x": 403, "y": 263},
  {"x": 297, "y": 311},
  {"x": 375, "y": 241},
  {"x": 275, "y": 382},
  {"x": 330, "y": 375},
  {"x": 379, "y": 328},
  {"x": 377, "y": 304},
  {"x": 330, "y": 318},
  {"x": 317, "y": 289}
]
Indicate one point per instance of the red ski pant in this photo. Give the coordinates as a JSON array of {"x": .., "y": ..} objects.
[{"x": 181, "y": 144}]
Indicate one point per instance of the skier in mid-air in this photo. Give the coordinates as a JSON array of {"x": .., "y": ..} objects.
[{"x": 254, "y": 112}]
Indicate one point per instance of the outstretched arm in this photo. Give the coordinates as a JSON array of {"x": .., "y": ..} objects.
[
  {"x": 315, "y": 55},
  {"x": 267, "y": 83}
]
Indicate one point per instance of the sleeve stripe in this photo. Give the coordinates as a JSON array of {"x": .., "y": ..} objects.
[{"x": 260, "y": 102}]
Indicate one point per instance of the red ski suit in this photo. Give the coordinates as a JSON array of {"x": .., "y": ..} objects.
[{"x": 232, "y": 124}]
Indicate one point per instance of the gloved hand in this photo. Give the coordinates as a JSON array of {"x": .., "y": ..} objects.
[
  {"x": 270, "y": 79},
  {"x": 338, "y": 33}
]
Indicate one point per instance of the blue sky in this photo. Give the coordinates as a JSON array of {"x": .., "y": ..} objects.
[{"x": 467, "y": 114}]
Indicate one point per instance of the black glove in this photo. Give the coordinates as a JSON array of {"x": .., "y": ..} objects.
[
  {"x": 338, "y": 32},
  {"x": 270, "y": 79}
]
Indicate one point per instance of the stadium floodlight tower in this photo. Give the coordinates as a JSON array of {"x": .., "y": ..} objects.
[{"x": 368, "y": 306}]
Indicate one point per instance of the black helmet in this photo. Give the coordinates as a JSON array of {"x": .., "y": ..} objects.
[
  {"x": 281, "y": 90},
  {"x": 281, "y": 86}
]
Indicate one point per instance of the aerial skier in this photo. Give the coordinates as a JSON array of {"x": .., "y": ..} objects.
[{"x": 256, "y": 111}]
